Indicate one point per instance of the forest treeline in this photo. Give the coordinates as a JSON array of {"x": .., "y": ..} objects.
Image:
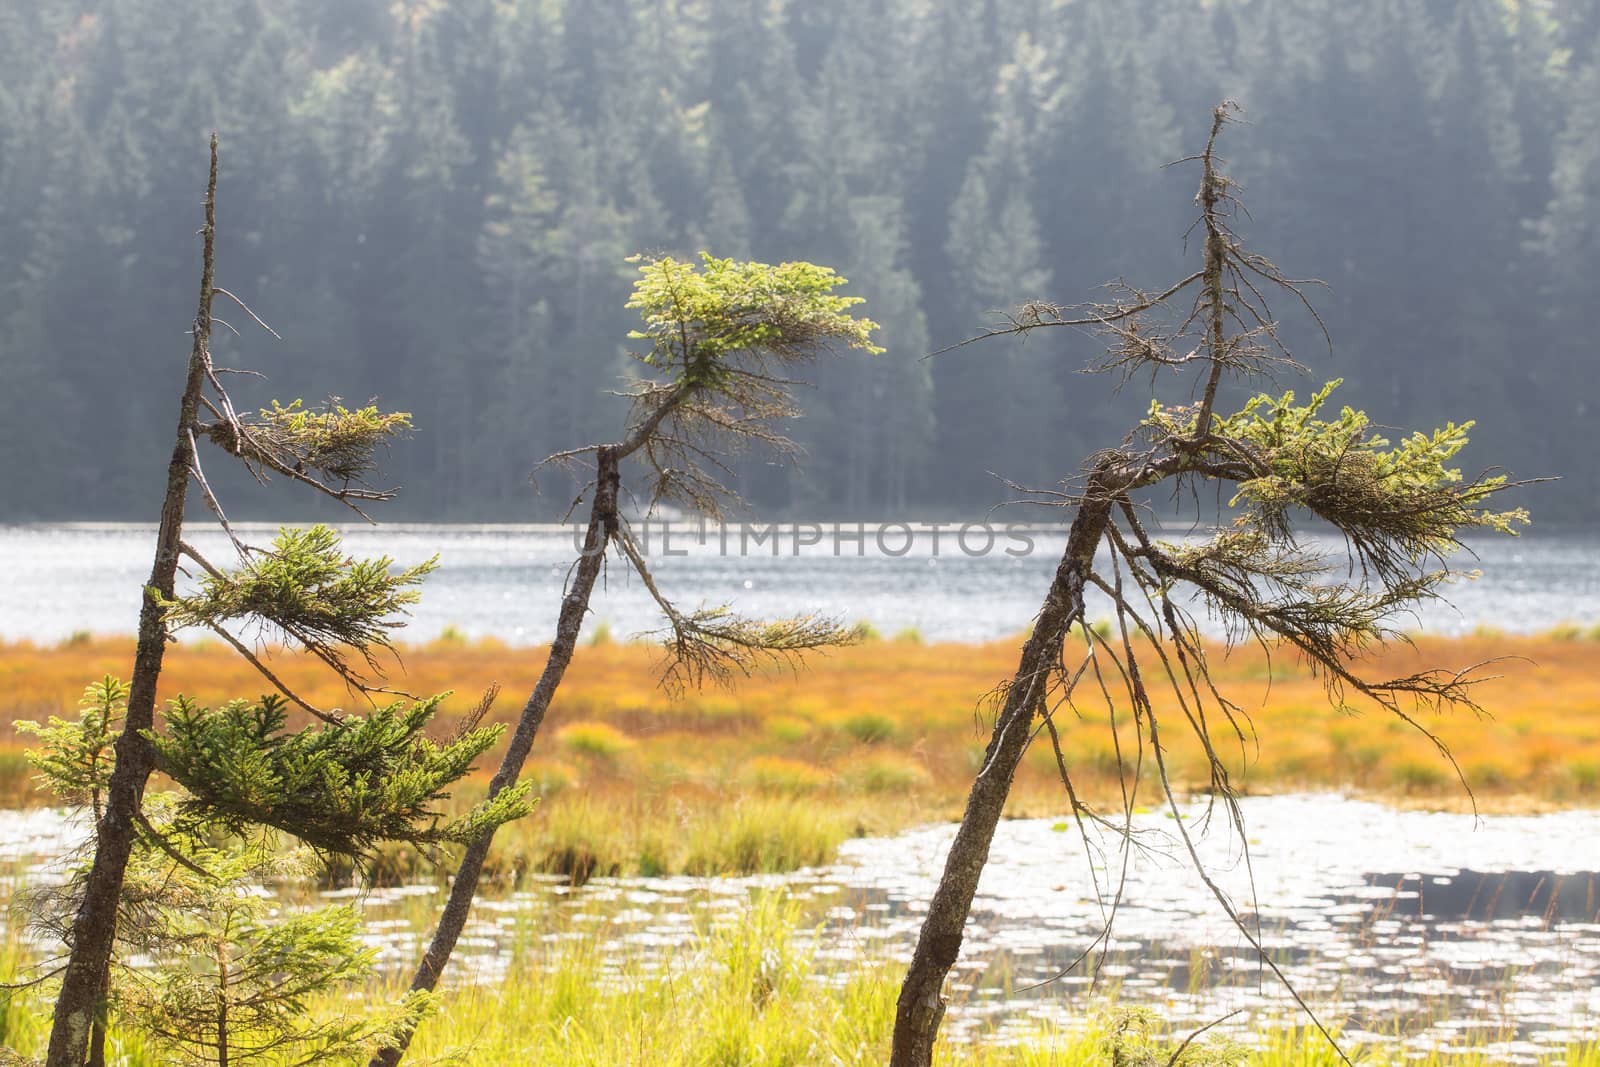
[{"x": 433, "y": 200}]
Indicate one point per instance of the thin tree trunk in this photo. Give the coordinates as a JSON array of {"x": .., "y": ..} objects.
[
  {"x": 83, "y": 984},
  {"x": 97, "y": 1037},
  {"x": 602, "y": 526},
  {"x": 222, "y": 1005},
  {"x": 921, "y": 1005}
]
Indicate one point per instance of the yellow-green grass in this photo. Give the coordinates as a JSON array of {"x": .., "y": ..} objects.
[
  {"x": 877, "y": 737},
  {"x": 747, "y": 991}
]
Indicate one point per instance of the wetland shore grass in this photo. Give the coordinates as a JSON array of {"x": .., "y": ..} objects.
[
  {"x": 749, "y": 990},
  {"x": 776, "y": 772}
]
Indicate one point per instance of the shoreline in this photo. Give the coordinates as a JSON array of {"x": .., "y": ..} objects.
[{"x": 884, "y": 733}]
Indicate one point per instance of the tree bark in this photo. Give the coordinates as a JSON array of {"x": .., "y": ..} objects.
[
  {"x": 602, "y": 526},
  {"x": 921, "y": 1005},
  {"x": 601, "y": 529},
  {"x": 97, "y": 1037},
  {"x": 93, "y": 933},
  {"x": 222, "y": 1005}
]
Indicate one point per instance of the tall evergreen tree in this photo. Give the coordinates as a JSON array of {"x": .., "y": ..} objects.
[{"x": 376, "y": 132}]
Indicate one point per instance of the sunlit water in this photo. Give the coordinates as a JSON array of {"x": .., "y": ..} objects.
[
  {"x": 952, "y": 585},
  {"x": 1424, "y": 922},
  {"x": 1442, "y": 928}
]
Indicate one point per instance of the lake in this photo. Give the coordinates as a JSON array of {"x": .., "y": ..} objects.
[{"x": 951, "y": 583}]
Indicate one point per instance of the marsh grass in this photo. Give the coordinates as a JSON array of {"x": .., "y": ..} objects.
[
  {"x": 579, "y": 836},
  {"x": 780, "y": 774},
  {"x": 870, "y": 727},
  {"x": 764, "y": 836},
  {"x": 596, "y": 739},
  {"x": 878, "y": 737},
  {"x": 747, "y": 990},
  {"x": 886, "y": 772},
  {"x": 17, "y": 788}
]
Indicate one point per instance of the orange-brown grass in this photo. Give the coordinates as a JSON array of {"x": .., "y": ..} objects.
[{"x": 889, "y": 732}]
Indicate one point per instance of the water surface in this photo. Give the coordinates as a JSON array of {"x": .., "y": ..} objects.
[
  {"x": 1448, "y": 929},
  {"x": 505, "y": 581}
]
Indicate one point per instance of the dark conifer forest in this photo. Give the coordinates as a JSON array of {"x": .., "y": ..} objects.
[{"x": 433, "y": 202}]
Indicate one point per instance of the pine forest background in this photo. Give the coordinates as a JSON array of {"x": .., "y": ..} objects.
[{"x": 432, "y": 201}]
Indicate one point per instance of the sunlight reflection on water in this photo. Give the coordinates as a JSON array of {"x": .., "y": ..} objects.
[
  {"x": 1430, "y": 924},
  {"x": 505, "y": 581},
  {"x": 1445, "y": 929}
]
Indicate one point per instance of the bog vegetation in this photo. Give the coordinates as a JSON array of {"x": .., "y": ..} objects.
[
  {"x": 753, "y": 989},
  {"x": 636, "y": 780}
]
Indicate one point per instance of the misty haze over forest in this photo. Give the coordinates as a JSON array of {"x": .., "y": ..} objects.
[{"x": 432, "y": 201}]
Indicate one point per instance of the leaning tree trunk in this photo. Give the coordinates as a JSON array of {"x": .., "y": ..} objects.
[
  {"x": 602, "y": 526},
  {"x": 94, "y": 927},
  {"x": 921, "y": 1005}
]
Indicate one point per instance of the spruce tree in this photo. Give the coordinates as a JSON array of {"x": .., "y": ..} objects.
[
  {"x": 720, "y": 343},
  {"x": 205, "y": 967},
  {"x": 1400, "y": 508},
  {"x": 341, "y": 785}
]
